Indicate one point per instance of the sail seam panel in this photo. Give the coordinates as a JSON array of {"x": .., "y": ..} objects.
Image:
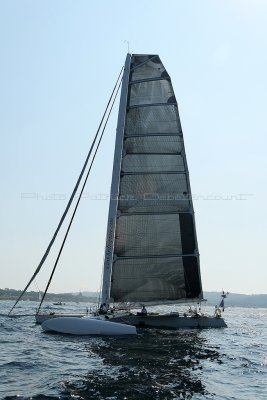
[
  {"x": 167, "y": 283},
  {"x": 150, "y": 119},
  {"x": 153, "y": 235},
  {"x": 151, "y": 92},
  {"x": 150, "y": 58},
  {"x": 138, "y": 194},
  {"x": 147, "y": 67}
]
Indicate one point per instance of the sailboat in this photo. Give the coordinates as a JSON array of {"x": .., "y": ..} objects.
[{"x": 151, "y": 254}]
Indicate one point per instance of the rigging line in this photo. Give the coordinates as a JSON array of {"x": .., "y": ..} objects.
[
  {"x": 77, "y": 203},
  {"x": 101, "y": 280},
  {"x": 71, "y": 197}
]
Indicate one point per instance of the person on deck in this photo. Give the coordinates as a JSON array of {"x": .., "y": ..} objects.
[
  {"x": 143, "y": 311},
  {"x": 217, "y": 312},
  {"x": 103, "y": 309}
]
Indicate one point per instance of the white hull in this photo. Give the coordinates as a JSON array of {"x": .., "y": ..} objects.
[
  {"x": 163, "y": 321},
  {"x": 87, "y": 326},
  {"x": 40, "y": 318}
]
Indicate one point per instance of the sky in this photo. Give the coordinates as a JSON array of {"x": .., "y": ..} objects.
[{"x": 59, "y": 62}]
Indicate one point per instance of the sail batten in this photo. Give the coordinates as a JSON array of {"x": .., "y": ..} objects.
[
  {"x": 151, "y": 213},
  {"x": 153, "y": 134},
  {"x": 159, "y": 104},
  {"x": 153, "y": 172},
  {"x": 155, "y": 254}
]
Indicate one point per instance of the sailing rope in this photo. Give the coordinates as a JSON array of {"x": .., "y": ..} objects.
[
  {"x": 77, "y": 203},
  {"x": 74, "y": 190}
]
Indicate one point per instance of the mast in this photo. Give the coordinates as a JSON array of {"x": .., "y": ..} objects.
[{"x": 114, "y": 192}]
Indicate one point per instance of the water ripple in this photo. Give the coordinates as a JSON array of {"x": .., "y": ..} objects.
[{"x": 160, "y": 365}]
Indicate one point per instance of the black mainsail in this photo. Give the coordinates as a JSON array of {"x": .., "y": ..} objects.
[{"x": 151, "y": 246}]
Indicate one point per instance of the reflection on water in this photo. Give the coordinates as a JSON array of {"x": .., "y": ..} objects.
[{"x": 156, "y": 364}]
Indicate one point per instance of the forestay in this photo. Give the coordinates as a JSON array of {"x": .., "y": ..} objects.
[{"x": 151, "y": 250}]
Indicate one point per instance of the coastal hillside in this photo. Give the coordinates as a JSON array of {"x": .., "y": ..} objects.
[
  {"x": 12, "y": 294},
  {"x": 237, "y": 300}
]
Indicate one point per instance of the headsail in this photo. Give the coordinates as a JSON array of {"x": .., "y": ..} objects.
[{"x": 151, "y": 249}]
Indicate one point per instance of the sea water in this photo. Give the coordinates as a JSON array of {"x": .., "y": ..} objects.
[{"x": 228, "y": 363}]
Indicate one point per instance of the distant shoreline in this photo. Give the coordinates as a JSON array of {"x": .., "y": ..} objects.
[
  {"x": 213, "y": 298},
  {"x": 12, "y": 294}
]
